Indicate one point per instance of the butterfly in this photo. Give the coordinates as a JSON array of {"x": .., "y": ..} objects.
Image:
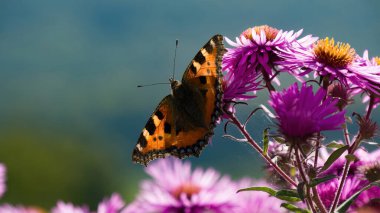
[{"x": 183, "y": 121}]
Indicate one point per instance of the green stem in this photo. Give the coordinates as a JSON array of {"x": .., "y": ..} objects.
[
  {"x": 253, "y": 143},
  {"x": 341, "y": 185},
  {"x": 346, "y": 169}
]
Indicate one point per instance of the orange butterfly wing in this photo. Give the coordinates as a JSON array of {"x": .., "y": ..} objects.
[
  {"x": 204, "y": 73},
  {"x": 156, "y": 136},
  {"x": 161, "y": 135}
]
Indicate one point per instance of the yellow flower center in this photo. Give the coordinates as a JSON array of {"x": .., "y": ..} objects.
[
  {"x": 270, "y": 32},
  {"x": 187, "y": 188},
  {"x": 377, "y": 60},
  {"x": 337, "y": 56}
]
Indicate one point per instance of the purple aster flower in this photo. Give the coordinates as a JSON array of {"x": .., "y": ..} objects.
[
  {"x": 356, "y": 179},
  {"x": 300, "y": 113},
  {"x": 7, "y": 208},
  {"x": 63, "y": 207},
  {"x": 279, "y": 153},
  {"x": 254, "y": 56},
  {"x": 333, "y": 61},
  {"x": 339, "y": 91},
  {"x": 374, "y": 62},
  {"x": 111, "y": 205},
  {"x": 176, "y": 188},
  {"x": 3, "y": 187},
  {"x": 255, "y": 202}
]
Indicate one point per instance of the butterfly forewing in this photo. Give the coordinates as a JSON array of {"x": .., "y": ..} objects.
[
  {"x": 204, "y": 73},
  {"x": 207, "y": 62}
]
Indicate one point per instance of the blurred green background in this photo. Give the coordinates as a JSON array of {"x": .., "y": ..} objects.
[{"x": 70, "y": 111}]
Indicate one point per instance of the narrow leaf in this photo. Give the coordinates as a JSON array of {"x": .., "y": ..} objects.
[
  {"x": 346, "y": 204},
  {"x": 268, "y": 190},
  {"x": 289, "y": 199},
  {"x": 288, "y": 195},
  {"x": 317, "y": 181},
  {"x": 351, "y": 157},
  {"x": 266, "y": 141},
  {"x": 301, "y": 191},
  {"x": 335, "y": 145},
  {"x": 235, "y": 139},
  {"x": 280, "y": 140},
  {"x": 348, "y": 119},
  {"x": 371, "y": 143},
  {"x": 293, "y": 208},
  {"x": 334, "y": 156},
  {"x": 293, "y": 171}
]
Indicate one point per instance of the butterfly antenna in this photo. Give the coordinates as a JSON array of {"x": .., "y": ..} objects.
[
  {"x": 175, "y": 56},
  {"x": 146, "y": 85}
]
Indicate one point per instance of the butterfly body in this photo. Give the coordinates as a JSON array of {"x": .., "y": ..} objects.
[{"x": 183, "y": 122}]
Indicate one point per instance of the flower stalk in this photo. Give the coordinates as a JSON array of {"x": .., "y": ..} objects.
[
  {"x": 344, "y": 175},
  {"x": 253, "y": 143}
]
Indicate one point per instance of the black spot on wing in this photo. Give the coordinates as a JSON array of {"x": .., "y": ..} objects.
[
  {"x": 150, "y": 127},
  {"x": 159, "y": 114},
  {"x": 204, "y": 92},
  {"x": 200, "y": 58},
  {"x": 167, "y": 128},
  {"x": 203, "y": 79},
  {"x": 160, "y": 137},
  {"x": 142, "y": 141},
  {"x": 208, "y": 47}
]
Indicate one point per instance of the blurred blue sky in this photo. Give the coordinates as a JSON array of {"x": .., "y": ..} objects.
[{"x": 69, "y": 71}]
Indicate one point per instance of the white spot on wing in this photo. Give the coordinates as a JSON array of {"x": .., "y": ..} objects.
[
  {"x": 145, "y": 133},
  {"x": 196, "y": 65},
  {"x": 156, "y": 120}
]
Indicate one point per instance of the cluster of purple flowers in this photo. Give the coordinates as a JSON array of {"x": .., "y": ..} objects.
[
  {"x": 337, "y": 74},
  {"x": 361, "y": 173},
  {"x": 175, "y": 187}
]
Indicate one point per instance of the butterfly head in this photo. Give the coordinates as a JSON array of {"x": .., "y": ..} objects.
[{"x": 173, "y": 83}]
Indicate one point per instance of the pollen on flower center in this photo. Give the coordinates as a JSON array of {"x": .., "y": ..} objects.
[
  {"x": 270, "y": 32},
  {"x": 187, "y": 188},
  {"x": 337, "y": 56},
  {"x": 377, "y": 60}
]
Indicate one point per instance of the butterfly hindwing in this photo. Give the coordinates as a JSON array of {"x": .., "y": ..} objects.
[
  {"x": 161, "y": 137},
  {"x": 183, "y": 122},
  {"x": 157, "y": 133}
]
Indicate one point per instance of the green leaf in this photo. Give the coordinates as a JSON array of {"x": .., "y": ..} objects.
[
  {"x": 301, "y": 191},
  {"x": 351, "y": 157},
  {"x": 293, "y": 171},
  {"x": 266, "y": 141},
  {"x": 268, "y": 190},
  {"x": 346, "y": 204},
  {"x": 288, "y": 195},
  {"x": 371, "y": 143},
  {"x": 293, "y": 208},
  {"x": 279, "y": 140},
  {"x": 348, "y": 120},
  {"x": 334, "y": 156},
  {"x": 335, "y": 145},
  {"x": 317, "y": 181}
]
